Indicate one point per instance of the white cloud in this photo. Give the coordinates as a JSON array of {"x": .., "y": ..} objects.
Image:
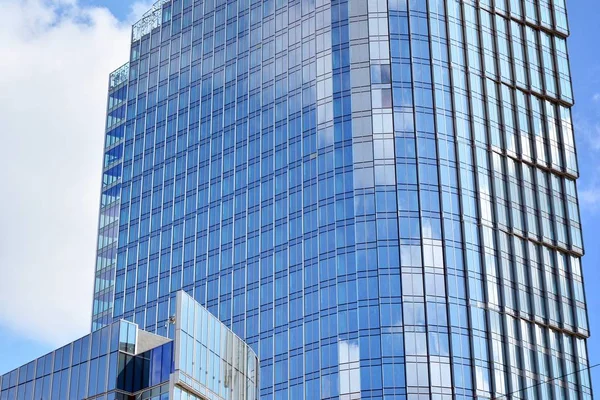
[
  {"x": 138, "y": 9},
  {"x": 589, "y": 197},
  {"x": 589, "y": 190},
  {"x": 589, "y": 129},
  {"x": 56, "y": 57}
]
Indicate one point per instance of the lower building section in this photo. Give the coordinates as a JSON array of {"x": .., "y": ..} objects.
[{"x": 122, "y": 362}]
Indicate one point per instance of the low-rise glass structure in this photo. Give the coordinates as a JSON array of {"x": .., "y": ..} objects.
[{"x": 206, "y": 361}]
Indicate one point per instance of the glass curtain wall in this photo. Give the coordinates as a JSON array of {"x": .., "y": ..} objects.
[
  {"x": 378, "y": 196},
  {"x": 108, "y": 224}
]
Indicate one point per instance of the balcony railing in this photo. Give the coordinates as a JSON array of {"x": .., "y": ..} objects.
[
  {"x": 150, "y": 20},
  {"x": 119, "y": 76}
]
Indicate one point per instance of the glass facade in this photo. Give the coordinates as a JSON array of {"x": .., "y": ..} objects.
[
  {"x": 206, "y": 361},
  {"x": 378, "y": 196},
  {"x": 103, "y": 365},
  {"x": 108, "y": 225},
  {"x": 212, "y": 361}
]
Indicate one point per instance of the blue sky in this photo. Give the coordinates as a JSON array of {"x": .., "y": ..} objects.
[
  {"x": 584, "y": 48},
  {"x": 16, "y": 347}
]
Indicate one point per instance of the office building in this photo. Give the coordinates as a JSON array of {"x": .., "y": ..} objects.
[
  {"x": 378, "y": 196},
  {"x": 205, "y": 361}
]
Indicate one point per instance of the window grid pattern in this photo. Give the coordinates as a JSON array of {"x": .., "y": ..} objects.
[
  {"x": 108, "y": 225},
  {"x": 100, "y": 365},
  {"x": 210, "y": 358},
  {"x": 119, "y": 362},
  {"x": 379, "y": 197},
  {"x": 512, "y": 97}
]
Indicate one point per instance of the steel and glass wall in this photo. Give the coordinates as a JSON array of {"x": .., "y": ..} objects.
[
  {"x": 211, "y": 361},
  {"x": 108, "y": 225},
  {"x": 119, "y": 362},
  {"x": 103, "y": 365},
  {"x": 507, "y": 97},
  {"x": 378, "y": 196}
]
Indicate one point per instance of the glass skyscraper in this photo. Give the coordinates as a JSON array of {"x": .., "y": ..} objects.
[{"x": 378, "y": 196}]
